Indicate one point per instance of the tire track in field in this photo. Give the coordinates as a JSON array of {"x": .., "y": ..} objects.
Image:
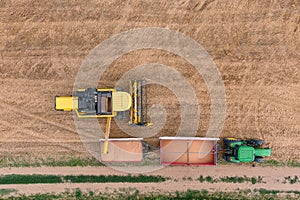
[
  {"x": 6, "y": 106},
  {"x": 42, "y": 139}
]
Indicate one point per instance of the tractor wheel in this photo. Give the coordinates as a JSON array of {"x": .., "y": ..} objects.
[
  {"x": 258, "y": 142},
  {"x": 227, "y": 141},
  {"x": 259, "y": 159},
  {"x": 227, "y": 158}
]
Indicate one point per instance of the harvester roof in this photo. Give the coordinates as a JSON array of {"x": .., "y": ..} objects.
[{"x": 121, "y": 101}]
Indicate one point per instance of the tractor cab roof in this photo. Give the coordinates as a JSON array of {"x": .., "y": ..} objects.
[{"x": 246, "y": 154}]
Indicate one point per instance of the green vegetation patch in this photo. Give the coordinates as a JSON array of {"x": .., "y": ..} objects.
[
  {"x": 208, "y": 179},
  {"x": 275, "y": 192},
  {"x": 231, "y": 179},
  {"x": 35, "y": 178},
  {"x": 4, "y": 192},
  {"x": 187, "y": 178},
  {"x": 237, "y": 179},
  {"x": 113, "y": 179},
  {"x": 131, "y": 193},
  {"x": 27, "y": 161},
  {"x": 293, "y": 163},
  {"x": 28, "y": 179},
  {"x": 273, "y": 163},
  {"x": 276, "y": 163},
  {"x": 291, "y": 180}
]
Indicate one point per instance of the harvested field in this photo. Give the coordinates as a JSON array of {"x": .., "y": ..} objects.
[{"x": 255, "y": 45}]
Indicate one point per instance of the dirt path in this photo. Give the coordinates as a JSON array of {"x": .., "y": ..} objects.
[{"x": 182, "y": 178}]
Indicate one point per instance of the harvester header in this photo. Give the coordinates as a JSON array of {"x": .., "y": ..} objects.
[{"x": 138, "y": 111}]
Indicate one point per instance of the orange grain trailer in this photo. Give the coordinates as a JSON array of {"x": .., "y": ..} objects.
[
  {"x": 123, "y": 150},
  {"x": 188, "y": 150}
]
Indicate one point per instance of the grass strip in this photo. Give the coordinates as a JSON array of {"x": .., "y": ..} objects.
[
  {"x": 276, "y": 163},
  {"x": 36, "y": 178},
  {"x": 231, "y": 179},
  {"x": 49, "y": 162},
  {"x": 68, "y": 161},
  {"x": 131, "y": 193},
  {"x": 291, "y": 180},
  {"x": 28, "y": 179},
  {"x": 4, "y": 192},
  {"x": 113, "y": 179}
]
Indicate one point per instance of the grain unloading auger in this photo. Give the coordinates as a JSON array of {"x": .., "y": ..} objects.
[{"x": 105, "y": 103}]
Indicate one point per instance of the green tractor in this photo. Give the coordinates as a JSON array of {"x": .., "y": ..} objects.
[{"x": 237, "y": 150}]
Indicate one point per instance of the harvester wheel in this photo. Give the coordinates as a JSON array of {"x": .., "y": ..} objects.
[{"x": 259, "y": 159}]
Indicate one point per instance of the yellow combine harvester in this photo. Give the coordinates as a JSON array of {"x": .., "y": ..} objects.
[{"x": 94, "y": 103}]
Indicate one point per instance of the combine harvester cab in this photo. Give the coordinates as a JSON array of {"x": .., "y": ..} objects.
[{"x": 237, "y": 150}]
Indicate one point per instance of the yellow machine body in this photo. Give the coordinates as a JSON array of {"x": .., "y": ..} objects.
[
  {"x": 93, "y": 103},
  {"x": 121, "y": 101},
  {"x": 68, "y": 103}
]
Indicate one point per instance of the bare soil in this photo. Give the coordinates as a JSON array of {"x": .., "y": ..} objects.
[{"x": 255, "y": 45}]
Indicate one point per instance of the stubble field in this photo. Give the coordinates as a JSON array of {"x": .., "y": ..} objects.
[{"x": 255, "y": 46}]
